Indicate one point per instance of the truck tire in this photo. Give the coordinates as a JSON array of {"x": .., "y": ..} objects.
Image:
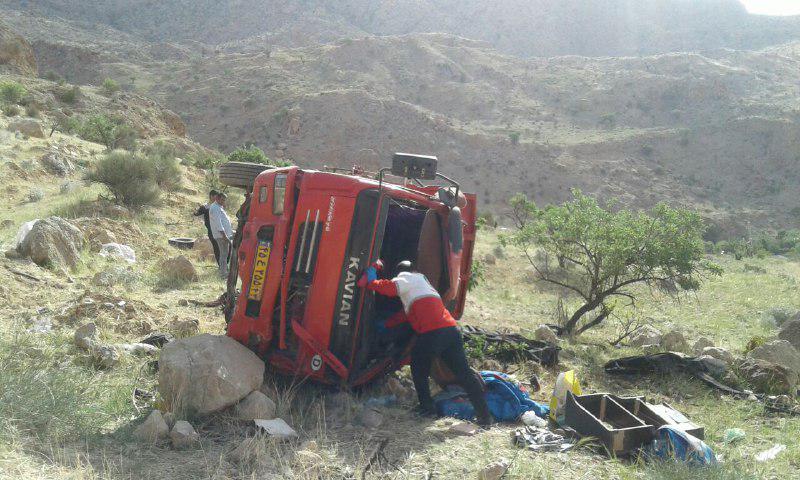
[{"x": 240, "y": 174}]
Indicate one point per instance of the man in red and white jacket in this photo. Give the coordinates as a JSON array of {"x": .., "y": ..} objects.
[{"x": 437, "y": 334}]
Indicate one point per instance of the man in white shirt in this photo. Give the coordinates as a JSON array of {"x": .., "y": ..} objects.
[{"x": 222, "y": 231}]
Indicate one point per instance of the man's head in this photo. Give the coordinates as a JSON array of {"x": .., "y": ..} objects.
[
  {"x": 212, "y": 195},
  {"x": 404, "y": 266},
  {"x": 221, "y": 198}
]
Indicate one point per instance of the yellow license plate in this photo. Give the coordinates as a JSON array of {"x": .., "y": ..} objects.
[{"x": 259, "y": 271}]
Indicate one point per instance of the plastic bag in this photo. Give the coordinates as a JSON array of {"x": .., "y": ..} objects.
[
  {"x": 672, "y": 443},
  {"x": 566, "y": 382}
]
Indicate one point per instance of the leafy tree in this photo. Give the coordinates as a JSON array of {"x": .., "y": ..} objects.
[
  {"x": 112, "y": 132},
  {"x": 12, "y": 92},
  {"x": 253, "y": 154},
  {"x": 600, "y": 254}
]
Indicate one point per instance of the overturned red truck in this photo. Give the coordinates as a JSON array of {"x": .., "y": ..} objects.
[{"x": 303, "y": 239}]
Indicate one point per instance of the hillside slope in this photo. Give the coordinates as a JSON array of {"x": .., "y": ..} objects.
[{"x": 520, "y": 27}]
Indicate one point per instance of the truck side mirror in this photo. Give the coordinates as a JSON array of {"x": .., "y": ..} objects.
[{"x": 420, "y": 167}]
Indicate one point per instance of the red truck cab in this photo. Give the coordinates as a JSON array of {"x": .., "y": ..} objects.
[{"x": 307, "y": 236}]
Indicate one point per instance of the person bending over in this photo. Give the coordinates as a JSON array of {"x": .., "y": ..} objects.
[
  {"x": 202, "y": 210},
  {"x": 437, "y": 335}
]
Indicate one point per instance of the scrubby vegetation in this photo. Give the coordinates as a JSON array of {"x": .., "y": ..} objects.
[
  {"x": 12, "y": 92},
  {"x": 253, "y": 154},
  {"x": 600, "y": 254},
  {"x": 69, "y": 95},
  {"x": 110, "y": 86},
  {"x": 111, "y": 131},
  {"x": 136, "y": 179}
]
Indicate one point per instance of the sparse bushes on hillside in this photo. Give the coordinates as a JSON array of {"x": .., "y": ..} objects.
[
  {"x": 12, "y": 92},
  {"x": 253, "y": 154},
  {"x": 136, "y": 180},
  {"x": 165, "y": 163},
  {"x": 112, "y": 132},
  {"x": 110, "y": 86},
  {"x": 206, "y": 161},
  {"x": 598, "y": 254},
  {"x": 10, "y": 110},
  {"x": 69, "y": 95}
]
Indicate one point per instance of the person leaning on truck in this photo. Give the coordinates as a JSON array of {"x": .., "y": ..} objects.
[
  {"x": 222, "y": 231},
  {"x": 437, "y": 335},
  {"x": 202, "y": 210}
]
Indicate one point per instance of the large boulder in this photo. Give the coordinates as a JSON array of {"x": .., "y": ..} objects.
[
  {"x": 674, "y": 341},
  {"x": 27, "y": 127},
  {"x": 779, "y": 352},
  {"x": 768, "y": 377},
  {"x": 179, "y": 269},
  {"x": 207, "y": 373},
  {"x": 53, "y": 242},
  {"x": 790, "y": 331}
]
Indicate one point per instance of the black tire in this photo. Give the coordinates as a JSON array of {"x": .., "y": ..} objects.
[
  {"x": 240, "y": 174},
  {"x": 182, "y": 243}
]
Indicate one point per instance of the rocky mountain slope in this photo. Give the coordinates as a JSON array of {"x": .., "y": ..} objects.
[
  {"x": 520, "y": 27},
  {"x": 716, "y": 129}
]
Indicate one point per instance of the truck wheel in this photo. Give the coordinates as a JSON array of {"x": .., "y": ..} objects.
[{"x": 240, "y": 174}]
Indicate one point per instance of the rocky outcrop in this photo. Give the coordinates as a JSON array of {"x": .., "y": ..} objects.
[
  {"x": 779, "y": 352},
  {"x": 16, "y": 55},
  {"x": 207, "y": 373},
  {"x": 768, "y": 377},
  {"x": 53, "y": 242},
  {"x": 790, "y": 331}
]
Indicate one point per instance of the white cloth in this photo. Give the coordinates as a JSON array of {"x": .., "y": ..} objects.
[
  {"x": 219, "y": 221},
  {"x": 412, "y": 286}
]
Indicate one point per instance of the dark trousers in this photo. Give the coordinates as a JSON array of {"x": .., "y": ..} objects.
[
  {"x": 445, "y": 343},
  {"x": 215, "y": 246}
]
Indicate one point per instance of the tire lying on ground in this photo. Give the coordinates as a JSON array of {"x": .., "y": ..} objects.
[{"x": 240, "y": 174}]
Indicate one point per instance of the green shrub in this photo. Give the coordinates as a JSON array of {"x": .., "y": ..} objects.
[
  {"x": 206, "y": 161},
  {"x": 69, "y": 94},
  {"x": 114, "y": 133},
  {"x": 12, "y": 92},
  {"x": 251, "y": 154},
  {"x": 110, "y": 86},
  {"x": 165, "y": 163},
  {"x": 513, "y": 137},
  {"x": 129, "y": 177}
]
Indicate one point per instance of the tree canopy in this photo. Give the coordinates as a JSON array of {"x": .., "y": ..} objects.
[{"x": 599, "y": 253}]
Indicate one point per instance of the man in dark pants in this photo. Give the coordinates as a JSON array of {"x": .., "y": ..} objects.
[
  {"x": 203, "y": 210},
  {"x": 437, "y": 335}
]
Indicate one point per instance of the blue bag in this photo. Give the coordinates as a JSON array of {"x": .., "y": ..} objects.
[
  {"x": 674, "y": 444},
  {"x": 507, "y": 400}
]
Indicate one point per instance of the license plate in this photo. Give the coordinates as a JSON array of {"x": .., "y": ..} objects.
[{"x": 259, "y": 271}]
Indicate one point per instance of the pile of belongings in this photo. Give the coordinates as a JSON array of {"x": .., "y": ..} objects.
[
  {"x": 540, "y": 439},
  {"x": 508, "y": 400}
]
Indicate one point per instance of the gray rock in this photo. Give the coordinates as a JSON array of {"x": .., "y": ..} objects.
[
  {"x": 207, "y": 373},
  {"x": 716, "y": 368},
  {"x": 646, "y": 336},
  {"x": 138, "y": 349},
  {"x": 254, "y": 406},
  {"x": 85, "y": 336},
  {"x": 489, "y": 259},
  {"x": 544, "y": 333},
  {"x": 154, "y": 428},
  {"x": 28, "y": 127},
  {"x": 674, "y": 341},
  {"x": 790, "y": 331},
  {"x": 779, "y": 352},
  {"x": 57, "y": 163},
  {"x": 179, "y": 268},
  {"x": 169, "y": 417},
  {"x": 495, "y": 470},
  {"x": 700, "y": 344},
  {"x": 105, "y": 357},
  {"x": 53, "y": 242},
  {"x": 183, "y": 435},
  {"x": 768, "y": 377},
  {"x": 719, "y": 353}
]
